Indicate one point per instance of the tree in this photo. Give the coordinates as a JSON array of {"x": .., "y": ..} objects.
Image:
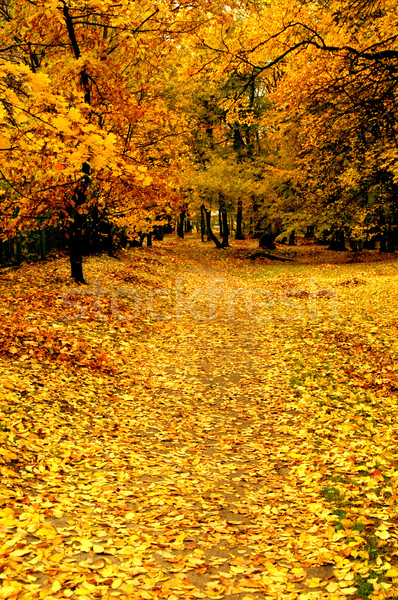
[
  {"x": 229, "y": 149},
  {"x": 330, "y": 71},
  {"x": 87, "y": 115}
]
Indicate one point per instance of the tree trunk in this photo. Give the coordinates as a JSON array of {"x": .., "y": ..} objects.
[
  {"x": 43, "y": 244},
  {"x": 220, "y": 222},
  {"x": 94, "y": 244},
  {"x": 353, "y": 244},
  {"x": 223, "y": 220},
  {"x": 111, "y": 248},
  {"x": 393, "y": 239},
  {"x": 239, "y": 219},
  {"x": 209, "y": 229},
  {"x": 188, "y": 224},
  {"x": 225, "y": 228},
  {"x": 310, "y": 231},
  {"x": 202, "y": 223},
  {"x": 292, "y": 238},
  {"x": 267, "y": 239},
  {"x": 337, "y": 242},
  {"x": 370, "y": 244},
  {"x": 180, "y": 227},
  {"x": 77, "y": 226},
  {"x": 149, "y": 240},
  {"x": 158, "y": 233},
  {"x": 253, "y": 216},
  {"x": 75, "y": 248},
  {"x": 80, "y": 196}
]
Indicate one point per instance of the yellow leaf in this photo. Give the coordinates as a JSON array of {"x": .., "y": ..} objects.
[
  {"x": 57, "y": 557},
  {"x": 56, "y": 586},
  {"x": 333, "y": 586},
  {"x": 393, "y": 572},
  {"x": 383, "y": 534},
  {"x": 39, "y": 81},
  {"x": 347, "y": 523},
  {"x": 8, "y": 591},
  {"x": 86, "y": 545},
  {"x": 236, "y": 569},
  {"x": 20, "y": 552},
  {"x": 137, "y": 571},
  {"x": 88, "y": 586}
]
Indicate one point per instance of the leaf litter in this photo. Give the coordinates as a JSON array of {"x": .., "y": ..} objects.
[{"x": 217, "y": 453}]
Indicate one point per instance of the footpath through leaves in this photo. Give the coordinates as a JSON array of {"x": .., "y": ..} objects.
[{"x": 164, "y": 434}]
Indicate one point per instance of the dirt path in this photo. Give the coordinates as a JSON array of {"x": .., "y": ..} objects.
[{"x": 189, "y": 471}]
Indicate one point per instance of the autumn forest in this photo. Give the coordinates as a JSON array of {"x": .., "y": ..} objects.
[{"x": 199, "y": 282}]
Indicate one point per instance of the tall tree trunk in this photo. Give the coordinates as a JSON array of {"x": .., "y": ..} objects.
[
  {"x": 111, "y": 247},
  {"x": 220, "y": 222},
  {"x": 239, "y": 219},
  {"x": 43, "y": 243},
  {"x": 383, "y": 243},
  {"x": 223, "y": 218},
  {"x": 225, "y": 228},
  {"x": 149, "y": 240},
  {"x": 202, "y": 223},
  {"x": 310, "y": 232},
  {"x": 209, "y": 229},
  {"x": 180, "y": 227},
  {"x": 77, "y": 227},
  {"x": 337, "y": 241},
  {"x": 267, "y": 239},
  {"x": 254, "y": 218},
  {"x": 80, "y": 196},
  {"x": 188, "y": 224},
  {"x": 370, "y": 244},
  {"x": 94, "y": 241},
  {"x": 158, "y": 233}
]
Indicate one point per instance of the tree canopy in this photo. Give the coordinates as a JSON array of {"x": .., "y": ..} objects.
[{"x": 104, "y": 106}]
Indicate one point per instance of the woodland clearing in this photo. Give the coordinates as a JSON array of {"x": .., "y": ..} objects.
[{"x": 194, "y": 424}]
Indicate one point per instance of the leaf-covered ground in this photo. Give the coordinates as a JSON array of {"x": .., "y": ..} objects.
[{"x": 198, "y": 425}]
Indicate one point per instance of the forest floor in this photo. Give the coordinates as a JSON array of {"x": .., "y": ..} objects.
[{"x": 195, "y": 424}]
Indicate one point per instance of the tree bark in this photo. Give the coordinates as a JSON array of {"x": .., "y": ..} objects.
[
  {"x": 80, "y": 196},
  {"x": 209, "y": 229},
  {"x": 337, "y": 242},
  {"x": 267, "y": 239},
  {"x": 180, "y": 227},
  {"x": 77, "y": 226},
  {"x": 310, "y": 231},
  {"x": 111, "y": 249},
  {"x": 239, "y": 220},
  {"x": 220, "y": 222},
  {"x": 292, "y": 238},
  {"x": 202, "y": 223},
  {"x": 158, "y": 233},
  {"x": 188, "y": 224},
  {"x": 223, "y": 219},
  {"x": 225, "y": 228},
  {"x": 370, "y": 244}
]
